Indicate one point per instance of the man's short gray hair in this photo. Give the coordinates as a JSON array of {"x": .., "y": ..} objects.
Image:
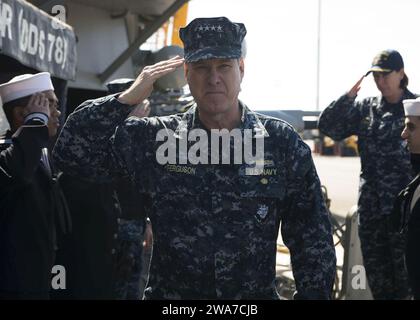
[{"x": 243, "y": 48}]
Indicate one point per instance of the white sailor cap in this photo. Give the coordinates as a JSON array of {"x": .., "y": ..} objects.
[
  {"x": 412, "y": 107},
  {"x": 25, "y": 85}
]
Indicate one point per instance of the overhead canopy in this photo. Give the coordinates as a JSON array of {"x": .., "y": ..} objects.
[
  {"x": 141, "y": 7},
  {"x": 109, "y": 33},
  {"x": 36, "y": 39},
  {"x": 154, "y": 13}
]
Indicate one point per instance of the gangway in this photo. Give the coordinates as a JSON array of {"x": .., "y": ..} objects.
[{"x": 349, "y": 260}]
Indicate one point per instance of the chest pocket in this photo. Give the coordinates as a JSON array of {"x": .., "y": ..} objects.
[
  {"x": 365, "y": 127},
  {"x": 177, "y": 200},
  {"x": 259, "y": 201},
  {"x": 390, "y": 125},
  {"x": 389, "y": 134},
  {"x": 397, "y": 128},
  {"x": 177, "y": 180}
]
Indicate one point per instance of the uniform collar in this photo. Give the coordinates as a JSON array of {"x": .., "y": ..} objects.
[
  {"x": 406, "y": 95},
  {"x": 249, "y": 120}
]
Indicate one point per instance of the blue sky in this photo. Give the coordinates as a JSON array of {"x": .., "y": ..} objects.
[{"x": 282, "y": 46}]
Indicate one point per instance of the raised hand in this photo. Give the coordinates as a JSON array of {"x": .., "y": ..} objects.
[
  {"x": 355, "y": 89},
  {"x": 143, "y": 85},
  {"x": 38, "y": 102}
]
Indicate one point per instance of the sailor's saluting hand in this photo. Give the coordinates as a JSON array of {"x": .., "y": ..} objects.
[
  {"x": 38, "y": 102},
  {"x": 143, "y": 85},
  {"x": 355, "y": 89}
]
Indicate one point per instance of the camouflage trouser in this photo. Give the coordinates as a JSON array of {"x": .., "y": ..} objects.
[
  {"x": 128, "y": 263},
  {"x": 383, "y": 258}
]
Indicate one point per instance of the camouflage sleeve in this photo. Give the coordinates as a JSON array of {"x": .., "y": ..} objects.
[
  {"x": 83, "y": 148},
  {"x": 306, "y": 226},
  {"x": 341, "y": 118},
  {"x": 130, "y": 148}
]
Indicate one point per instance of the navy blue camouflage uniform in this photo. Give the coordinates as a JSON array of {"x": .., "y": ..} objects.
[
  {"x": 215, "y": 228},
  {"x": 385, "y": 170}
]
